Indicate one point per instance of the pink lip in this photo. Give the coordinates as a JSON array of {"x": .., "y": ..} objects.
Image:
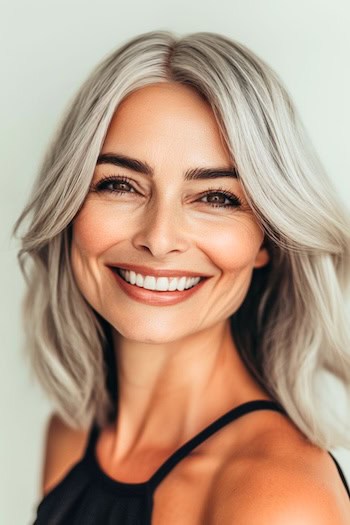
[
  {"x": 155, "y": 298},
  {"x": 157, "y": 273}
]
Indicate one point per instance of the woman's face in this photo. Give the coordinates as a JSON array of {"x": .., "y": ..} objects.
[{"x": 165, "y": 221}]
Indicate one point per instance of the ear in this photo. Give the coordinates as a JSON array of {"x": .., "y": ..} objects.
[{"x": 263, "y": 255}]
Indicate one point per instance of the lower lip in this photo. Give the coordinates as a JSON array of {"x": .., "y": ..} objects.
[{"x": 155, "y": 298}]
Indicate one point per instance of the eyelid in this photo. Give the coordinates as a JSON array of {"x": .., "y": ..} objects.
[
  {"x": 111, "y": 178},
  {"x": 235, "y": 201},
  {"x": 220, "y": 189},
  {"x": 119, "y": 177}
]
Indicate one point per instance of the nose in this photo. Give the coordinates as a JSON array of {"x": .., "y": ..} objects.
[{"x": 161, "y": 231}]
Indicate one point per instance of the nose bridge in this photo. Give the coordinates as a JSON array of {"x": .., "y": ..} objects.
[{"x": 162, "y": 228}]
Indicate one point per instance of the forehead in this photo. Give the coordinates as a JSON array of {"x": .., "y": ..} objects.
[{"x": 166, "y": 119}]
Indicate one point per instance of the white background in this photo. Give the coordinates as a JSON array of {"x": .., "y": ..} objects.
[{"x": 47, "y": 49}]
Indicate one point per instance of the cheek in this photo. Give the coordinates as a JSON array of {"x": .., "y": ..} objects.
[
  {"x": 92, "y": 234},
  {"x": 234, "y": 247},
  {"x": 94, "y": 230}
]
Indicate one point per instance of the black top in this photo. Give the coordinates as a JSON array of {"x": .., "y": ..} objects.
[{"x": 88, "y": 496}]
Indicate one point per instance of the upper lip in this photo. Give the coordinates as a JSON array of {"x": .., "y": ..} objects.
[{"x": 145, "y": 270}]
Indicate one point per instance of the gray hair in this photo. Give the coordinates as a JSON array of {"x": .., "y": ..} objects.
[{"x": 292, "y": 323}]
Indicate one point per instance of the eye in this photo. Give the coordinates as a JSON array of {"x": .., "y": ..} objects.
[
  {"x": 220, "y": 196},
  {"x": 113, "y": 184},
  {"x": 121, "y": 184}
]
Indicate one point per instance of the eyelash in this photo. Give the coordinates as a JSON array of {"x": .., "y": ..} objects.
[{"x": 101, "y": 186}]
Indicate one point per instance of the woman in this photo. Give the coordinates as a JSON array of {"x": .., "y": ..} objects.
[{"x": 189, "y": 270}]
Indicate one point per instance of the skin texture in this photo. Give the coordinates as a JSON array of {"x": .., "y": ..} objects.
[
  {"x": 171, "y": 359},
  {"x": 178, "y": 366}
]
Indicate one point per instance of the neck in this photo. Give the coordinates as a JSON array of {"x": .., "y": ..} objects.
[{"x": 169, "y": 392}]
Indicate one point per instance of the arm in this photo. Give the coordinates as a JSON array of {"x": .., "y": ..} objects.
[
  {"x": 277, "y": 497},
  {"x": 63, "y": 448}
]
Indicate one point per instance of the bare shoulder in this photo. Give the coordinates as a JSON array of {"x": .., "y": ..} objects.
[
  {"x": 64, "y": 447},
  {"x": 279, "y": 481}
]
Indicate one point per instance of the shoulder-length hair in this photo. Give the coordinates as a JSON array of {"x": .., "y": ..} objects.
[{"x": 292, "y": 324}]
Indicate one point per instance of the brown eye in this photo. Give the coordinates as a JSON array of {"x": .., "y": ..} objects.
[
  {"x": 217, "y": 199},
  {"x": 113, "y": 184}
]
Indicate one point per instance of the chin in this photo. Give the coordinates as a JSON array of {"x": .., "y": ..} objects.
[{"x": 147, "y": 333}]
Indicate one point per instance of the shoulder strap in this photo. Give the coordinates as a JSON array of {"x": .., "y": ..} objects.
[
  {"x": 341, "y": 474},
  {"x": 231, "y": 415},
  {"x": 184, "y": 450},
  {"x": 92, "y": 438}
]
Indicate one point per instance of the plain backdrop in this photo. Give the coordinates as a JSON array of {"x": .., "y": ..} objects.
[{"x": 47, "y": 49}]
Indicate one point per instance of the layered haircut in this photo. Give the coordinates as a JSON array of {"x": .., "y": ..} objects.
[{"x": 292, "y": 323}]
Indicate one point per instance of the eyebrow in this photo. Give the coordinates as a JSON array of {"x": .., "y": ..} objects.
[{"x": 144, "y": 168}]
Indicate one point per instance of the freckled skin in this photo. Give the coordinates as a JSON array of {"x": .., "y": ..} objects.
[{"x": 168, "y": 356}]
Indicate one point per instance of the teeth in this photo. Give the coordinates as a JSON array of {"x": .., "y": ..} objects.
[{"x": 161, "y": 284}]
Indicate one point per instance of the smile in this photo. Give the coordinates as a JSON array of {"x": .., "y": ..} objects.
[
  {"x": 175, "y": 290},
  {"x": 160, "y": 284}
]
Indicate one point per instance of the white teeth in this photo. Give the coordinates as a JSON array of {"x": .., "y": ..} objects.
[
  {"x": 181, "y": 284},
  {"x": 161, "y": 284}
]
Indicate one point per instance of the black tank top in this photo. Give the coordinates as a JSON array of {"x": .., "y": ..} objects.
[{"x": 88, "y": 496}]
